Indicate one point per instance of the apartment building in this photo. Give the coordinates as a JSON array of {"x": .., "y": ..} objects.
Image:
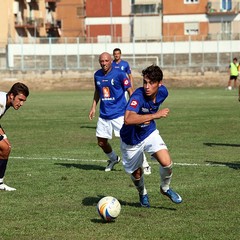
[
  {"x": 71, "y": 18},
  {"x": 118, "y": 20},
  {"x": 200, "y": 19},
  {"x": 123, "y": 20},
  {"x": 27, "y": 20}
]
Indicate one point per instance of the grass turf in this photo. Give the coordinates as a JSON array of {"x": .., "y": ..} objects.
[{"x": 58, "y": 171}]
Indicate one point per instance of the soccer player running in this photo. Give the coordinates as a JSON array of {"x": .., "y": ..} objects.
[
  {"x": 15, "y": 98},
  {"x": 121, "y": 65},
  {"x": 110, "y": 86},
  {"x": 139, "y": 134}
]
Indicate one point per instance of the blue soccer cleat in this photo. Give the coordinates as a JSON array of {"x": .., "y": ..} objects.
[
  {"x": 175, "y": 197},
  {"x": 144, "y": 201}
]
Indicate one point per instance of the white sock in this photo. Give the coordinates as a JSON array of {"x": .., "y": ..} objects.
[
  {"x": 166, "y": 176},
  {"x": 139, "y": 184},
  {"x": 112, "y": 156},
  {"x": 1, "y": 180}
]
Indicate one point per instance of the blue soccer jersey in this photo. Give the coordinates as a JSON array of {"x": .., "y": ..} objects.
[
  {"x": 122, "y": 66},
  {"x": 139, "y": 103},
  {"x": 111, "y": 88}
]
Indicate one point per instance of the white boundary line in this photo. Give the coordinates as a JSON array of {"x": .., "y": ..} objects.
[{"x": 96, "y": 160}]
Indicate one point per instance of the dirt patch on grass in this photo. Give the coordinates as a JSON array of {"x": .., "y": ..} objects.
[{"x": 70, "y": 80}]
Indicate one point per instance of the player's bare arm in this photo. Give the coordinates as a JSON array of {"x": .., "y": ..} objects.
[
  {"x": 131, "y": 117},
  {"x": 131, "y": 79},
  {"x": 130, "y": 91},
  {"x": 94, "y": 105}
]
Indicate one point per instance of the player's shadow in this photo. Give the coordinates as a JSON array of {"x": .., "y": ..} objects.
[
  {"x": 235, "y": 165},
  {"x": 222, "y": 144},
  {"x": 92, "y": 201},
  {"x": 82, "y": 166},
  {"x": 88, "y": 127}
]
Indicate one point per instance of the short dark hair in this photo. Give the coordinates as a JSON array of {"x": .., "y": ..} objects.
[
  {"x": 117, "y": 50},
  {"x": 153, "y": 72},
  {"x": 235, "y": 59},
  {"x": 19, "y": 88}
]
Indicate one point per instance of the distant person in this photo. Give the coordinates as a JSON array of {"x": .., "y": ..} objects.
[
  {"x": 120, "y": 64},
  {"x": 15, "y": 98},
  {"x": 110, "y": 87},
  {"x": 139, "y": 134},
  {"x": 233, "y": 72}
]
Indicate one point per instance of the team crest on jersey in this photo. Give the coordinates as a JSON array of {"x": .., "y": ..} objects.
[
  {"x": 134, "y": 103},
  {"x": 126, "y": 82}
]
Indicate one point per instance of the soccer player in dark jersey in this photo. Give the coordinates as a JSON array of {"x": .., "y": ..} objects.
[
  {"x": 110, "y": 86},
  {"x": 120, "y": 64},
  {"x": 123, "y": 66},
  {"x": 139, "y": 134},
  {"x": 15, "y": 98}
]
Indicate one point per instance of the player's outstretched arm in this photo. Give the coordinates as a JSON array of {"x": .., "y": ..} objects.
[{"x": 132, "y": 117}]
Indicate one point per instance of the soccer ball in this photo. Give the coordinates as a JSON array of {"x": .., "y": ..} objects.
[{"x": 108, "y": 208}]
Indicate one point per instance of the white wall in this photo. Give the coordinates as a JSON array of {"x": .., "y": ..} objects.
[{"x": 134, "y": 49}]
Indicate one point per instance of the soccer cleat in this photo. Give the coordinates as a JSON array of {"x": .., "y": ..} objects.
[
  {"x": 144, "y": 201},
  {"x": 5, "y": 187},
  {"x": 175, "y": 197},
  {"x": 147, "y": 170},
  {"x": 111, "y": 164}
]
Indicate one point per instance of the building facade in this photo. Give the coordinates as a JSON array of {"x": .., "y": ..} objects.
[
  {"x": 200, "y": 19},
  {"x": 118, "y": 20},
  {"x": 27, "y": 20}
]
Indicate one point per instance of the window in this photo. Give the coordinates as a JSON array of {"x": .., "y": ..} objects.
[
  {"x": 191, "y": 1},
  {"x": 80, "y": 11},
  {"x": 145, "y": 8},
  {"x": 226, "y": 5},
  {"x": 191, "y": 28}
]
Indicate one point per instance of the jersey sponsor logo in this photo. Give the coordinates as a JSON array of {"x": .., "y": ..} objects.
[
  {"x": 126, "y": 82},
  {"x": 112, "y": 81},
  {"x": 106, "y": 92},
  {"x": 122, "y": 67},
  {"x": 134, "y": 103}
]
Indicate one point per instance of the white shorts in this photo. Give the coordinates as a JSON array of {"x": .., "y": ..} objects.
[
  {"x": 105, "y": 127},
  {"x": 132, "y": 155}
]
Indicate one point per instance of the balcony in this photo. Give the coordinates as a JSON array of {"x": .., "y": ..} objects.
[
  {"x": 223, "y": 7},
  {"x": 29, "y": 23},
  {"x": 32, "y": 1},
  {"x": 52, "y": 1}
]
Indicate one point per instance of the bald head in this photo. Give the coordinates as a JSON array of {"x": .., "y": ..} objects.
[{"x": 105, "y": 61}]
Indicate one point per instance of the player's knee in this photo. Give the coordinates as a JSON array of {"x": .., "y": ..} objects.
[
  {"x": 102, "y": 144},
  {"x": 137, "y": 173},
  {"x": 5, "y": 151}
]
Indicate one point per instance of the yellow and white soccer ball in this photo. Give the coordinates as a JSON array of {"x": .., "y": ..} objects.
[{"x": 108, "y": 208}]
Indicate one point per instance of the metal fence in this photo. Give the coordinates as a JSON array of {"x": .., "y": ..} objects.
[{"x": 76, "y": 54}]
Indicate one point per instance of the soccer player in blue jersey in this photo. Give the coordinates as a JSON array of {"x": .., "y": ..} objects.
[
  {"x": 14, "y": 98},
  {"x": 123, "y": 66},
  {"x": 120, "y": 64},
  {"x": 110, "y": 86},
  {"x": 139, "y": 134}
]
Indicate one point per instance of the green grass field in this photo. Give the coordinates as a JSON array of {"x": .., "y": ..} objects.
[{"x": 58, "y": 171}]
